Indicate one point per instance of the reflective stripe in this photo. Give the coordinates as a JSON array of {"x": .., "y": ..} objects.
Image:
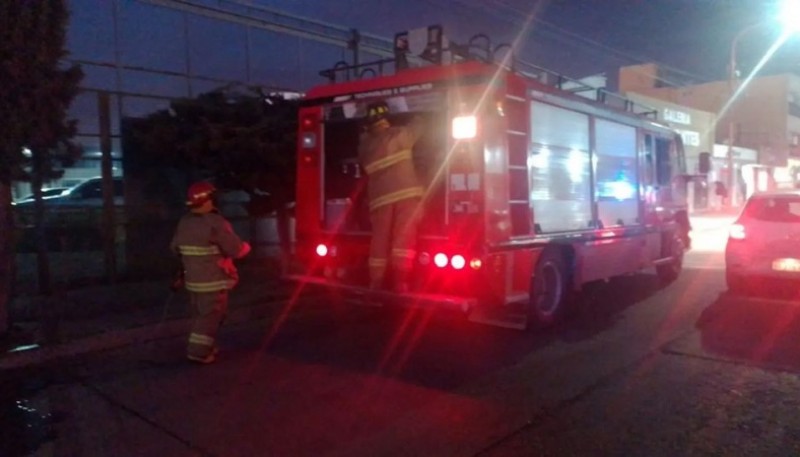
[
  {"x": 198, "y": 250},
  {"x": 388, "y": 199},
  {"x": 404, "y": 253},
  {"x": 202, "y": 340},
  {"x": 387, "y": 161},
  {"x": 375, "y": 262},
  {"x": 209, "y": 286}
]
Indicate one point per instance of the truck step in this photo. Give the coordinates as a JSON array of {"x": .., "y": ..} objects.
[{"x": 499, "y": 316}]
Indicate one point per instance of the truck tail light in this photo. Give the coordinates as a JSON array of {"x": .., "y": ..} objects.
[
  {"x": 465, "y": 127},
  {"x": 308, "y": 122},
  {"x": 440, "y": 260},
  {"x": 322, "y": 250},
  {"x": 737, "y": 232},
  {"x": 309, "y": 140},
  {"x": 455, "y": 261}
]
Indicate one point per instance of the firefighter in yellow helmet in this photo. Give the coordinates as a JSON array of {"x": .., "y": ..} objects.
[
  {"x": 207, "y": 246},
  {"x": 394, "y": 192}
]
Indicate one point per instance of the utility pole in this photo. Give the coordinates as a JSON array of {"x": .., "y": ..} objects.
[
  {"x": 732, "y": 87},
  {"x": 353, "y": 44},
  {"x": 109, "y": 225}
]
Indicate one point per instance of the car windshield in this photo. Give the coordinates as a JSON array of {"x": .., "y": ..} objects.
[{"x": 773, "y": 209}]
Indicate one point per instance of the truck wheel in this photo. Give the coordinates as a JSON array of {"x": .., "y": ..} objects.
[
  {"x": 548, "y": 289},
  {"x": 669, "y": 272}
]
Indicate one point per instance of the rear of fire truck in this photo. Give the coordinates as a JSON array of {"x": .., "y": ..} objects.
[{"x": 332, "y": 211}]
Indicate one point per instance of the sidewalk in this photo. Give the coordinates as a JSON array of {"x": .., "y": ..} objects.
[
  {"x": 711, "y": 212},
  {"x": 103, "y": 317},
  {"x": 713, "y": 219}
]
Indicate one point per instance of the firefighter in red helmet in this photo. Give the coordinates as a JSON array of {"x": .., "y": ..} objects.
[
  {"x": 394, "y": 192},
  {"x": 207, "y": 246}
]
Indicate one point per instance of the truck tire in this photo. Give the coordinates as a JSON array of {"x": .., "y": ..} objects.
[
  {"x": 549, "y": 286},
  {"x": 669, "y": 272}
]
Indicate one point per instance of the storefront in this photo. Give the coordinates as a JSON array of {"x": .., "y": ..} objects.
[{"x": 745, "y": 163}]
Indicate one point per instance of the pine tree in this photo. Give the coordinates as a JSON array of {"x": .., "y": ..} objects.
[{"x": 36, "y": 90}]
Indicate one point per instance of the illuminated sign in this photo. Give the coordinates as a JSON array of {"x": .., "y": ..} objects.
[
  {"x": 690, "y": 137},
  {"x": 679, "y": 117}
]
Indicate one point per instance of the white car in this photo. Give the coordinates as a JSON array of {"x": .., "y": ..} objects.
[
  {"x": 88, "y": 193},
  {"x": 46, "y": 193},
  {"x": 85, "y": 198},
  {"x": 764, "y": 242}
]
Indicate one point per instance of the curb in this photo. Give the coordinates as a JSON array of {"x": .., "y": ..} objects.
[{"x": 119, "y": 338}]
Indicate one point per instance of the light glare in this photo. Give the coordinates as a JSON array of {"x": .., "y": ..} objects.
[
  {"x": 790, "y": 16},
  {"x": 465, "y": 127},
  {"x": 737, "y": 232}
]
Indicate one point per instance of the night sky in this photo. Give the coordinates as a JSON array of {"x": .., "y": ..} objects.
[{"x": 581, "y": 37}]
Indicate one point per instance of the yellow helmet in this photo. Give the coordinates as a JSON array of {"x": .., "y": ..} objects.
[{"x": 377, "y": 111}]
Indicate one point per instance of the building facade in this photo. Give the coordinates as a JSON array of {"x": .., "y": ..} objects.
[
  {"x": 765, "y": 115},
  {"x": 146, "y": 53},
  {"x": 757, "y": 128}
]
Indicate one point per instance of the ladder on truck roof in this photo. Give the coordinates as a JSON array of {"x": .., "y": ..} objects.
[{"x": 479, "y": 48}]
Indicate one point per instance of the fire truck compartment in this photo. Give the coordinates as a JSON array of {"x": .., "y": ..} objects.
[{"x": 346, "y": 206}]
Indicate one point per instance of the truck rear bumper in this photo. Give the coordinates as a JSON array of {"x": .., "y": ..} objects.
[{"x": 385, "y": 297}]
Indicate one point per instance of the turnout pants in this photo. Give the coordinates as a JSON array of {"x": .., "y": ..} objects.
[
  {"x": 210, "y": 309},
  {"x": 394, "y": 237}
]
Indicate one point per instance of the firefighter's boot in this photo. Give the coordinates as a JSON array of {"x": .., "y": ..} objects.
[{"x": 210, "y": 358}]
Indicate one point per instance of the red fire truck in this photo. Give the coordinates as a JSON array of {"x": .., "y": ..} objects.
[{"x": 532, "y": 189}]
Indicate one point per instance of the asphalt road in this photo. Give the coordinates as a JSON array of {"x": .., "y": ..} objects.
[{"x": 639, "y": 369}]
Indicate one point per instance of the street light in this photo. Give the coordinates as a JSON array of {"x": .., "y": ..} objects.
[{"x": 789, "y": 18}]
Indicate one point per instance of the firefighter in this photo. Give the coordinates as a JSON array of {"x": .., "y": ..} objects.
[
  {"x": 394, "y": 192},
  {"x": 207, "y": 246}
]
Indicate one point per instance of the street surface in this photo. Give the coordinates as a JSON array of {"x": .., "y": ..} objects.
[{"x": 639, "y": 369}]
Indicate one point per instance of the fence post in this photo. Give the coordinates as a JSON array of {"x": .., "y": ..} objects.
[{"x": 109, "y": 229}]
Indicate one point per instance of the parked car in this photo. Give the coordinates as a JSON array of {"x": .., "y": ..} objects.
[
  {"x": 88, "y": 193},
  {"x": 764, "y": 242},
  {"x": 46, "y": 194},
  {"x": 70, "y": 208}
]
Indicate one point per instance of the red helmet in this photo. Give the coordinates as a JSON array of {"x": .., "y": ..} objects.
[{"x": 199, "y": 193}]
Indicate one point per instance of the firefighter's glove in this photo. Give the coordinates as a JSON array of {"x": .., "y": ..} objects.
[
  {"x": 227, "y": 266},
  {"x": 245, "y": 249}
]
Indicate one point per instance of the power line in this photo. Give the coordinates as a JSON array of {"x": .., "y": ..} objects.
[
  {"x": 273, "y": 20},
  {"x": 516, "y": 17}
]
